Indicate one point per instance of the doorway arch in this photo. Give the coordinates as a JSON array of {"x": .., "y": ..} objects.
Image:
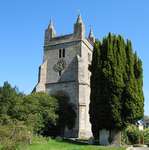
[{"x": 66, "y": 112}]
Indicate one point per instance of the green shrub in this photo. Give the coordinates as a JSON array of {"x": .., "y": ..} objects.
[
  {"x": 8, "y": 145},
  {"x": 39, "y": 110},
  {"x": 132, "y": 135},
  {"x": 13, "y": 135},
  {"x": 39, "y": 139},
  {"x": 146, "y": 136}
]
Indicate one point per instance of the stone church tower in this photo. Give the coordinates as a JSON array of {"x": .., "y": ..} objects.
[{"x": 65, "y": 71}]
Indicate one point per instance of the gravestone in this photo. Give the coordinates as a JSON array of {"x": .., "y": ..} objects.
[{"x": 104, "y": 137}]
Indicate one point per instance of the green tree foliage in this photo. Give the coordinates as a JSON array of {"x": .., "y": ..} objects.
[
  {"x": 41, "y": 113},
  {"x": 13, "y": 134},
  {"x": 39, "y": 110},
  {"x": 116, "y": 85},
  {"x": 146, "y": 136},
  {"x": 10, "y": 101},
  {"x": 132, "y": 135},
  {"x": 35, "y": 110}
]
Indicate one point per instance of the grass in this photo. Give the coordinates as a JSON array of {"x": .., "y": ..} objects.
[
  {"x": 41, "y": 143},
  {"x": 63, "y": 145}
]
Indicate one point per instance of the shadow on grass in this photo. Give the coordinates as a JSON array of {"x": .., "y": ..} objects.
[{"x": 73, "y": 141}]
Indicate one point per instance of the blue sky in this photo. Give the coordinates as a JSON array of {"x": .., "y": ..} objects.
[{"x": 22, "y": 25}]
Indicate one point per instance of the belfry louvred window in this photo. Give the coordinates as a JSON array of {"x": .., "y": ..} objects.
[{"x": 62, "y": 53}]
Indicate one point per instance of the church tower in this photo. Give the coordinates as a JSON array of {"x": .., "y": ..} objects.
[{"x": 65, "y": 71}]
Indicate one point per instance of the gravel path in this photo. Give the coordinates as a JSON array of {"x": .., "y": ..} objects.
[{"x": 141, "y": 148}]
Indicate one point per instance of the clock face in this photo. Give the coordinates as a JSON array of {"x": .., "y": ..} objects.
[{"x": 60, "y": 65}]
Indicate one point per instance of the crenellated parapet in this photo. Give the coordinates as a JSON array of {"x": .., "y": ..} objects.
[{"x": 78, "y": 34}]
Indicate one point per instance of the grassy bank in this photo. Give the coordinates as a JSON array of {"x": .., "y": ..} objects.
[
  {"x": 41, "y": 143},
  {"x": 61, "y": 145}
]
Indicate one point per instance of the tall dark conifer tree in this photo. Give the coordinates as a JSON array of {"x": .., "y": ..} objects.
[{"x": 116, "y": 85}]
